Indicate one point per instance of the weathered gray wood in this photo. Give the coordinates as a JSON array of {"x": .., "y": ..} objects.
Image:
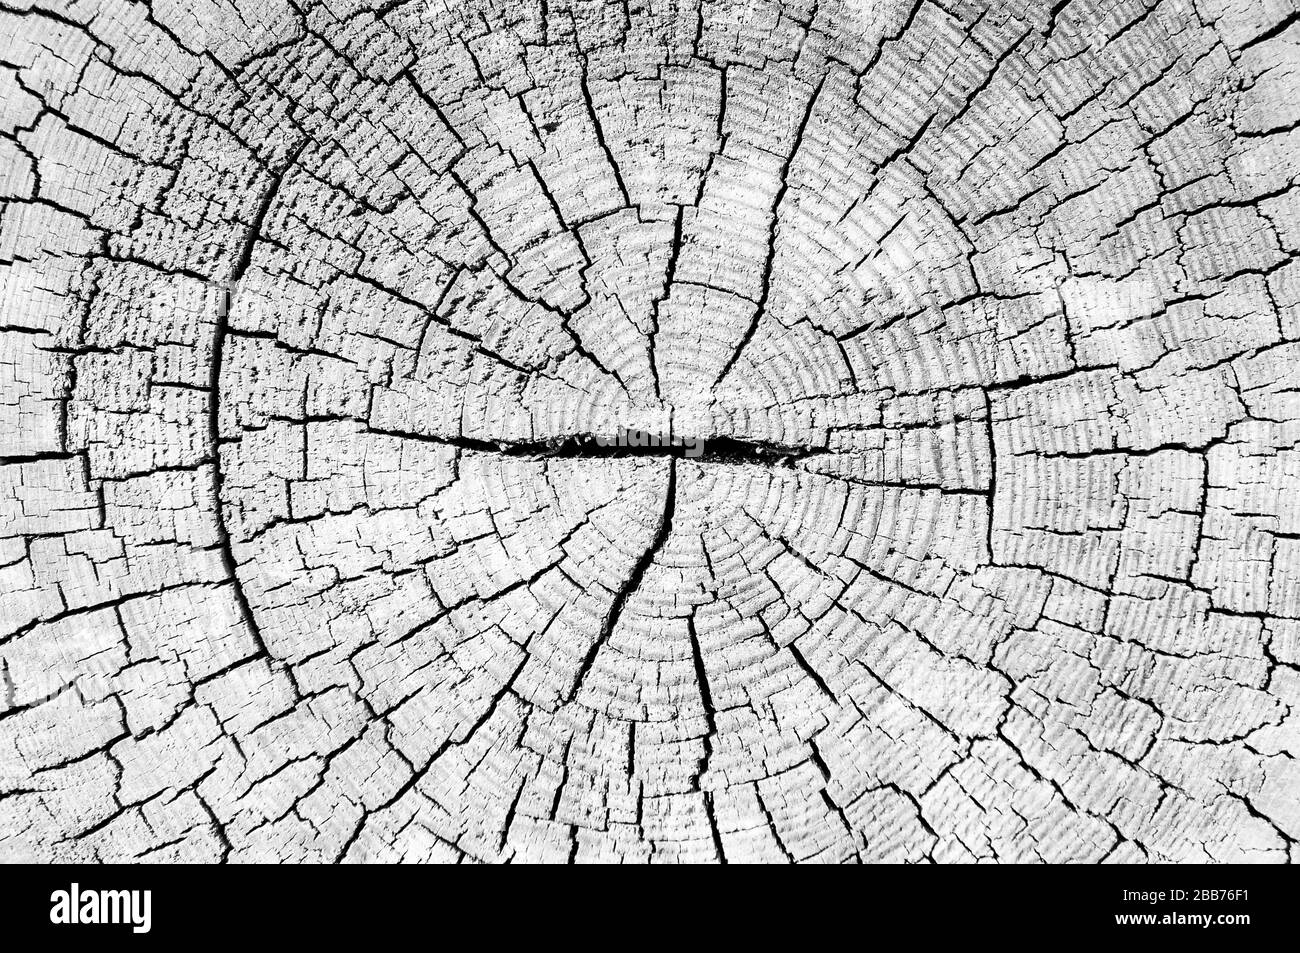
[{"x": 956, "y": 344}]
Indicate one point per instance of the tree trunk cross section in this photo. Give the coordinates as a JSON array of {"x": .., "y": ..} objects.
[{"x": 719, "y": 431}]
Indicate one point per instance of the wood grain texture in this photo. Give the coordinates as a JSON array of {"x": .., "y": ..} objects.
[{"x": 355, "y": 359}]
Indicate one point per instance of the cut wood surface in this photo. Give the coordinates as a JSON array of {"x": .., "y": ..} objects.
[{"x": 535, "y": 430}]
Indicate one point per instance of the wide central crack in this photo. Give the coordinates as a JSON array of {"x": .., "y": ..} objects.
[{"x": 640, "y": 443}]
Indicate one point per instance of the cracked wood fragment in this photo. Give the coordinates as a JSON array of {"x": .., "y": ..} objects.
[{"x": 707, "y": 431}]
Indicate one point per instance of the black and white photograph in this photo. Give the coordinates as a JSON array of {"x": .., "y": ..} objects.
[{"x": 650, "y": 432}]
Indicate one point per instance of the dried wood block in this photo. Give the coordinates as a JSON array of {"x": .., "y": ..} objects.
[{"x": 718, "y": 430}]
